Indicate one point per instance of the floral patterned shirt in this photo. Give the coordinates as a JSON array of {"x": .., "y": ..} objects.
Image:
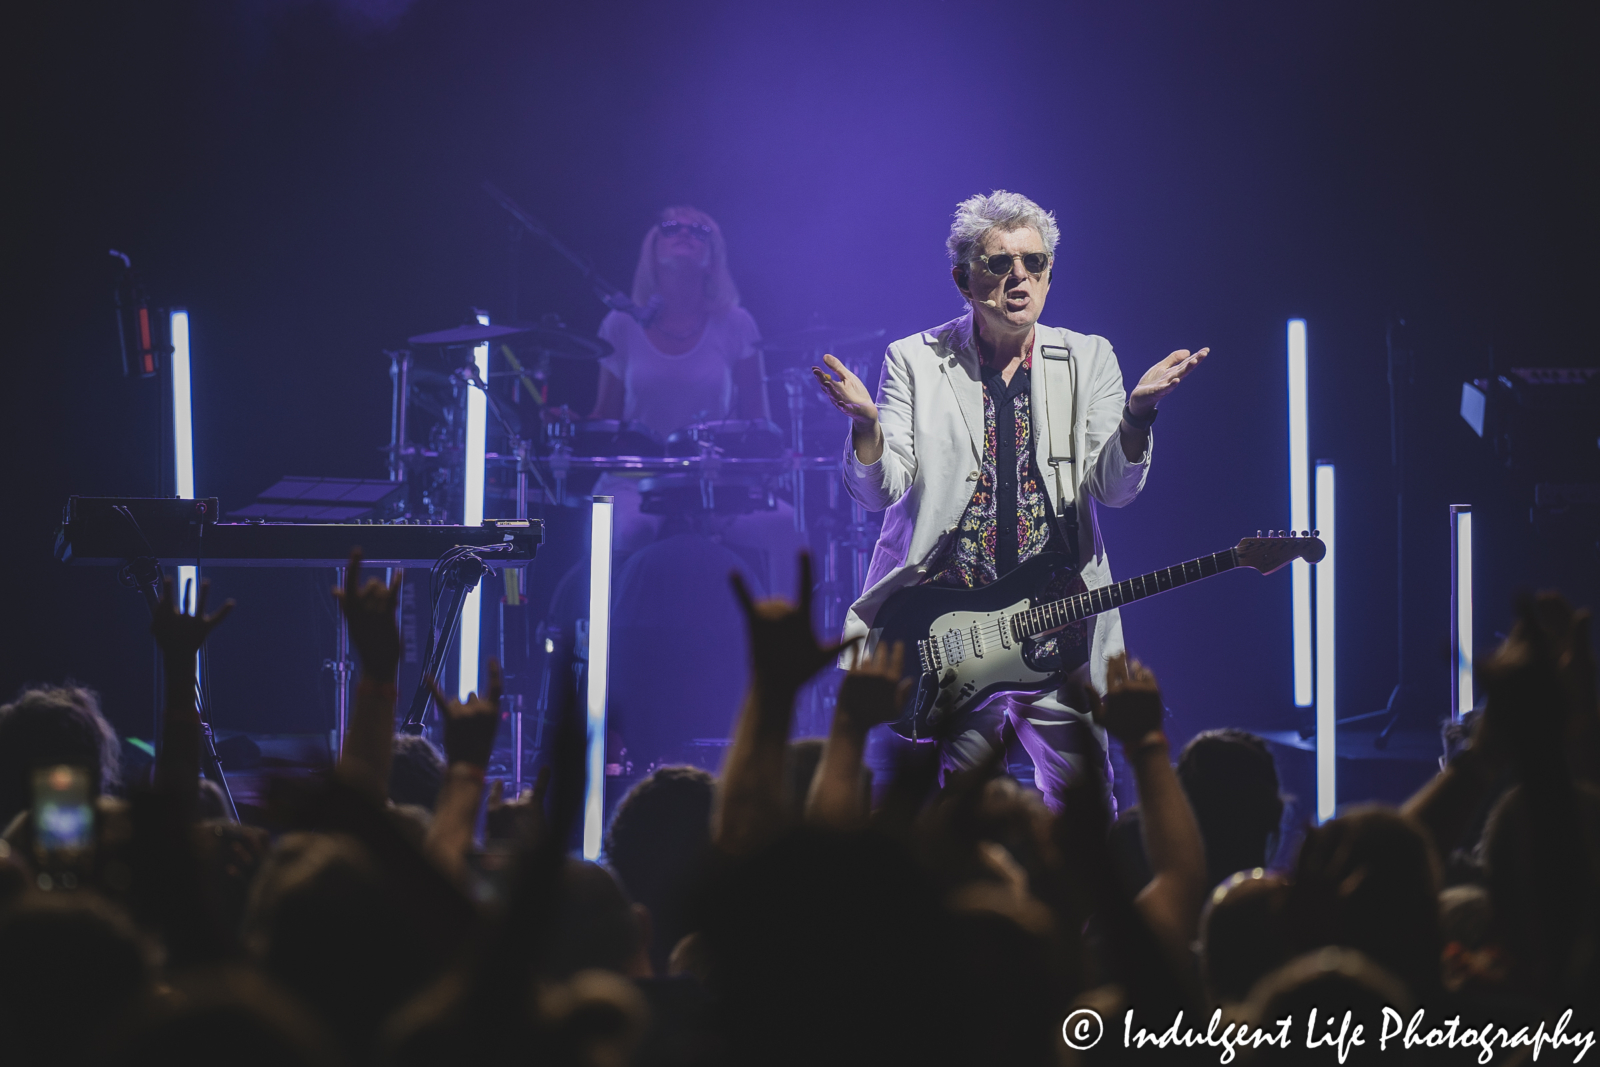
[{"x": 1008, "y": 520}]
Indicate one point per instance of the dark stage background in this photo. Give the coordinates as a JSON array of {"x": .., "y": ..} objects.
[{"x": 304, "y": 177}]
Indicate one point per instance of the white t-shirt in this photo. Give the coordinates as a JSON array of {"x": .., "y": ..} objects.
[{"x": 667, "y": 393}]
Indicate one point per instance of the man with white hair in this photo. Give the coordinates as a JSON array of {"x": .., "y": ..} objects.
[{"x": 992, "y": 440}]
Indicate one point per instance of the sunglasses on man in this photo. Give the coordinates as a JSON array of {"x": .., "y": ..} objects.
[
  {"x": 1000, "y": 264},
  {"x": 673, "y": 227}
]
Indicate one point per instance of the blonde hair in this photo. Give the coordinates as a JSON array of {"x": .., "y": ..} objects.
[{"x": 721, "y": 293}]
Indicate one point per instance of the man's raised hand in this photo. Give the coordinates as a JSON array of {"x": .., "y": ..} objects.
[
  {"x": 177, "y": 632},
  {"x": 369, "y": 612},
  {"x": 470, "y": 727},
  {"x": 847, "y": 393},
  {"x": 784, "y": 651},
  {"x": 1163, "y": 378}
]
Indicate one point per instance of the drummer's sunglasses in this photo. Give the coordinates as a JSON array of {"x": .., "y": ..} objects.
[
  {"x": 1000, "y": 265},
  {"x": 675, "y": 226}
]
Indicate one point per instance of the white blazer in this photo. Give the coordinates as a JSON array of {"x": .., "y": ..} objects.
[{"x": 930, "y": 405}]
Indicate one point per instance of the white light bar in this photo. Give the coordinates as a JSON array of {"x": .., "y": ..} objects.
[
  {"x": 188, "y": 588},
  {"x": 472, "y": 515},
  {"x": 1327, "y": 663},
  {"x": 599, "y": 665},
  {"x": 1461, "y": 693},
  {"x": 182, "y": 413},
  {"x": 1299, "y": 512}
]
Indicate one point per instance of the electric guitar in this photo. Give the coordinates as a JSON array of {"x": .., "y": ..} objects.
[{"x": 1021, "y": 633}]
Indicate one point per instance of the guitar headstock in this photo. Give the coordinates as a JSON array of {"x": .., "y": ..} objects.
[{"x": 1268, "y": 552}]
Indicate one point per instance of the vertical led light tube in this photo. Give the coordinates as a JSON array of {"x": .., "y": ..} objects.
[
  {"x": 472, "y": 515},
  {"x": 1299, "y": 512},
  {"x": 188, "y": 588},
  {"x": 1327, "y": 662},
  {"x": 182, "y": 433},
  {"x": 599, "y": 665},
  {"x": 1461, "y": 693},
  {"x": 182, "y": 413}
]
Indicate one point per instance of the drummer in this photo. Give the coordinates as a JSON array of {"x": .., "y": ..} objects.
[{"x": 696, "y": 361}]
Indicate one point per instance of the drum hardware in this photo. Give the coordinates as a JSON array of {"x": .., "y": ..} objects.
[
  {"x": 605, "y": 437},
  {"x": 796, "y": 385},
  {"x": 400, "y": 379},
  {"x": 722, "y": 468},
  {"x": 745, "y": 438},
  {"x": 710, "y": 466},
  {"x": 535, "y": 386}
]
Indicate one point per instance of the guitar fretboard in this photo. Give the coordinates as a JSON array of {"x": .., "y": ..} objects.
[{"x": 1058, "y": 613}]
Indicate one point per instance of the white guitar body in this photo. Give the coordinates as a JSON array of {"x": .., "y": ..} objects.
[
  {"x": 986, "y": 659},
  {"x": 971, "y": 644}
]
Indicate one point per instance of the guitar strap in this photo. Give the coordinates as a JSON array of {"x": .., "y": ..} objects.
[{"x": 1059, "y": 367}]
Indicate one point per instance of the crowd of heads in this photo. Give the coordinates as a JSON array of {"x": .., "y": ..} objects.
[{"x": 400, "y": 910}]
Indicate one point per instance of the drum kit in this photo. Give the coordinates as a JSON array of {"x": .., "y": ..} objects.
[
  {"x": 711, "y": 495},
  {"x": 544, "y": 460}
]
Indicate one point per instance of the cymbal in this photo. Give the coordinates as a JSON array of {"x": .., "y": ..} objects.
[
  {"x": 818, "y": 339},
  {"x": 473, "y": 333},
  {"x": 541, "y": 339},
  {"x": 559, "y": 342}
]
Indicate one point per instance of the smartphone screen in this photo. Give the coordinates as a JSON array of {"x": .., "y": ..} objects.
[{"x": 63, "y": 814}]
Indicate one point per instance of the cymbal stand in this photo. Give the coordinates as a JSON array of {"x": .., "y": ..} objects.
[
  {"x": 469, "y": 375},
  {"x": 794, "y": 384},
  {"x": 342, "y": 670},
  {"x": 399, "y": 403},
  {"x": 710, "y": 465}
]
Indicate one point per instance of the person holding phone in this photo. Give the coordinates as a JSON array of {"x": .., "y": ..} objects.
[
  {"x": 992, "y": 439},
  {"x": 48, "y": 726}
]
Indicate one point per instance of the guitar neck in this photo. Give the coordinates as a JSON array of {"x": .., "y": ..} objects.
[{"x": 1055, "y": 614}]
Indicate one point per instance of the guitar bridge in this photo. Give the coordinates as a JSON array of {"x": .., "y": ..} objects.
[{"x": 928, "y": 656}]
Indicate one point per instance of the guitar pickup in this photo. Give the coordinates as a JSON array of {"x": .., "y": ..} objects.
[
  {"x": 976, "y": 635},
  {"x": 954, "y": 647},
  {"x": 1005, "y": 631}
]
